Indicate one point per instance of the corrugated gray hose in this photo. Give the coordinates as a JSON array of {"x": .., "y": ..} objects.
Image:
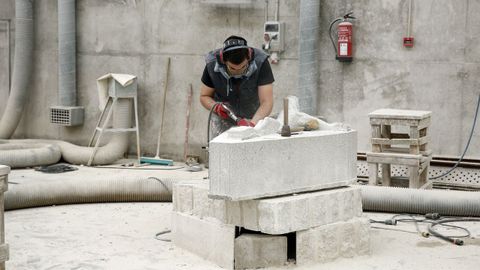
[
  {"x": 146, "y": 189},
  {"x": 418, "y": 201},
  {"x": 22, "y": 68},
  {"x": 71, "y": 153},
  {"x": 22, "y": 155}
]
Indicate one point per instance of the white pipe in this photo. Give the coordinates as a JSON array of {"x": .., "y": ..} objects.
[
  {"x": 277, "y": 10},
  {"x": 409, "y": 19},
  {"x": 22, "y": 68},
  {"x": 266, "y": 10}
]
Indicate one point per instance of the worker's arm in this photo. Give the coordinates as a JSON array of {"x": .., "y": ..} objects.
[
  {"x": 265, "y": 95},
  {"x": 206, "y": 96}
]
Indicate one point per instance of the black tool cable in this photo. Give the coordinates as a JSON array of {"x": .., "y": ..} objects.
[
  {"x": 210, "y": 122},
  {"x": 433, "y": 219},
  {"x": 466, "y": 147},
  {"x": 449, "y": 238}
]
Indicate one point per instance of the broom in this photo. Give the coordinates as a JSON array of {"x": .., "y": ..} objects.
[{"x": 157, "y": 160}]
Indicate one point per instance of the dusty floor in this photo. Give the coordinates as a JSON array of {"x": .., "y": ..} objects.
[{"x": 122, "y": 236}]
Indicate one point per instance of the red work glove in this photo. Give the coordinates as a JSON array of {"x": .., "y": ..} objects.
[
  {"x": 220, "y": 111},
  {"x": 245, "y": 122}
]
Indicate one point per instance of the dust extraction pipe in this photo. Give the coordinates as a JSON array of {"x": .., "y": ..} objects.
[
  {"x": 28, "y": 155},
  {"x": 147, "y": 189},
  {"x": 308, "y": 55},
  {"x": 22, "y": 68},
  {"x": 71, "y": 153},
  {"x": 66, "y": 53},
  {"x": 418, "y": 201}
]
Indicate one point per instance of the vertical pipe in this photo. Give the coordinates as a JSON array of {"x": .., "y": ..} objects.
[
  {"x": 266, "y": 10},
  {"x": 308, "y": 55},
  {"x": 66, "y": 53},
  {"x": 22, "y": 68},
  {"x": 9, "y": 57},
  {"x": 7, "y": 22},
  {"x": 409, "y": 19},
  {"x": 277, "y": 10}
]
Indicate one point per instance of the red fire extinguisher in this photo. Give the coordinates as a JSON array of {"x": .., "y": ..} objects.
[{"x": 343, "y": 48}]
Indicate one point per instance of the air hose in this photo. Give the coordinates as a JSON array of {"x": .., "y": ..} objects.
[
  {"x": 453, "y": 240},
  {"x": 466, "y": 147}
]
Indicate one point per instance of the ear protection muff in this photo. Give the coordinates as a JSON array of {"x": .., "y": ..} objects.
[{"x": 234, "y": 43}]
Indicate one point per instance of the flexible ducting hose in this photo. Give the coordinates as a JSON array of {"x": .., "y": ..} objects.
[
  {"x": 308, "y": 42},
  {"x": 22, "y": 68},
  {"x": 22, "y": 155},
  {"x": 75, "y": 154},
  {"x": 110, "y": 152},
  {"x": 147, "y": 189},
  {"x": 419, "y": 201}
]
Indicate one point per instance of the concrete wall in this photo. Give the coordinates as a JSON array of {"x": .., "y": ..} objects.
[{"x": 440, "y": 73}]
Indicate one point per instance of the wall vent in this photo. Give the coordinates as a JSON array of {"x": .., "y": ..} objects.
[{"x": 66, "y": 115}]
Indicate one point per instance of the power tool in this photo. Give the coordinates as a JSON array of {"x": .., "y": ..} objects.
[{"x": 230, "y": 113}]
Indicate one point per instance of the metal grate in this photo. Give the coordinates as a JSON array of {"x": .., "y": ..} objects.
[
  {"x": 460, "y": 176},
  {"x": 60, "y": 116},
  {"x": 66, "y": 116}
]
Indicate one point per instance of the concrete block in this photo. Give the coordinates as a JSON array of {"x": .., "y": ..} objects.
[
  {"x": 274, "y": 165},
  {"x": 208, "y": 238},
  {"x": 182, "y": 198},
  {"x": 272, "y": 215},
  {"x": 260, "y": 250},
  {"x": 336, "y": 240}
]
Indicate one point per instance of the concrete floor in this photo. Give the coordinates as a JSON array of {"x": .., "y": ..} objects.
[{"x": 122, "y": 236}]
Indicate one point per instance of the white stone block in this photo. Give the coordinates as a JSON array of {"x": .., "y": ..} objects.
[
  {"x": 274, "y": 215},
  {"x": 182, "y": 198},
  {"x": 336, "y": 240},
  {"x": 273, "y": 165},
  {"x": 207, "y": 238},
  {"x": 260, "y": 250}
]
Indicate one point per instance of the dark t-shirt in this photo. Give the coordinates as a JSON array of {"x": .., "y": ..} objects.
[{"x": 265, "y": 76}]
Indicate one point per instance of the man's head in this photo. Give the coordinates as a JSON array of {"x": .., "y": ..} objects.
[
  {"x": 235, "y": 50},
  {"x": 236, "y": 55}
]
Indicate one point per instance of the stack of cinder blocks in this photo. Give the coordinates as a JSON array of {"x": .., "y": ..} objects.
[{"x": 273, "y": 199}]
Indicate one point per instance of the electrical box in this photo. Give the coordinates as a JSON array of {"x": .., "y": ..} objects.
[
  {"x": 66, "y": 115},
  {"x": 275, "y": 31}
]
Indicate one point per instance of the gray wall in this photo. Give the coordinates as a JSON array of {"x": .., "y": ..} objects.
[{"x": 439, "y": 74}]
